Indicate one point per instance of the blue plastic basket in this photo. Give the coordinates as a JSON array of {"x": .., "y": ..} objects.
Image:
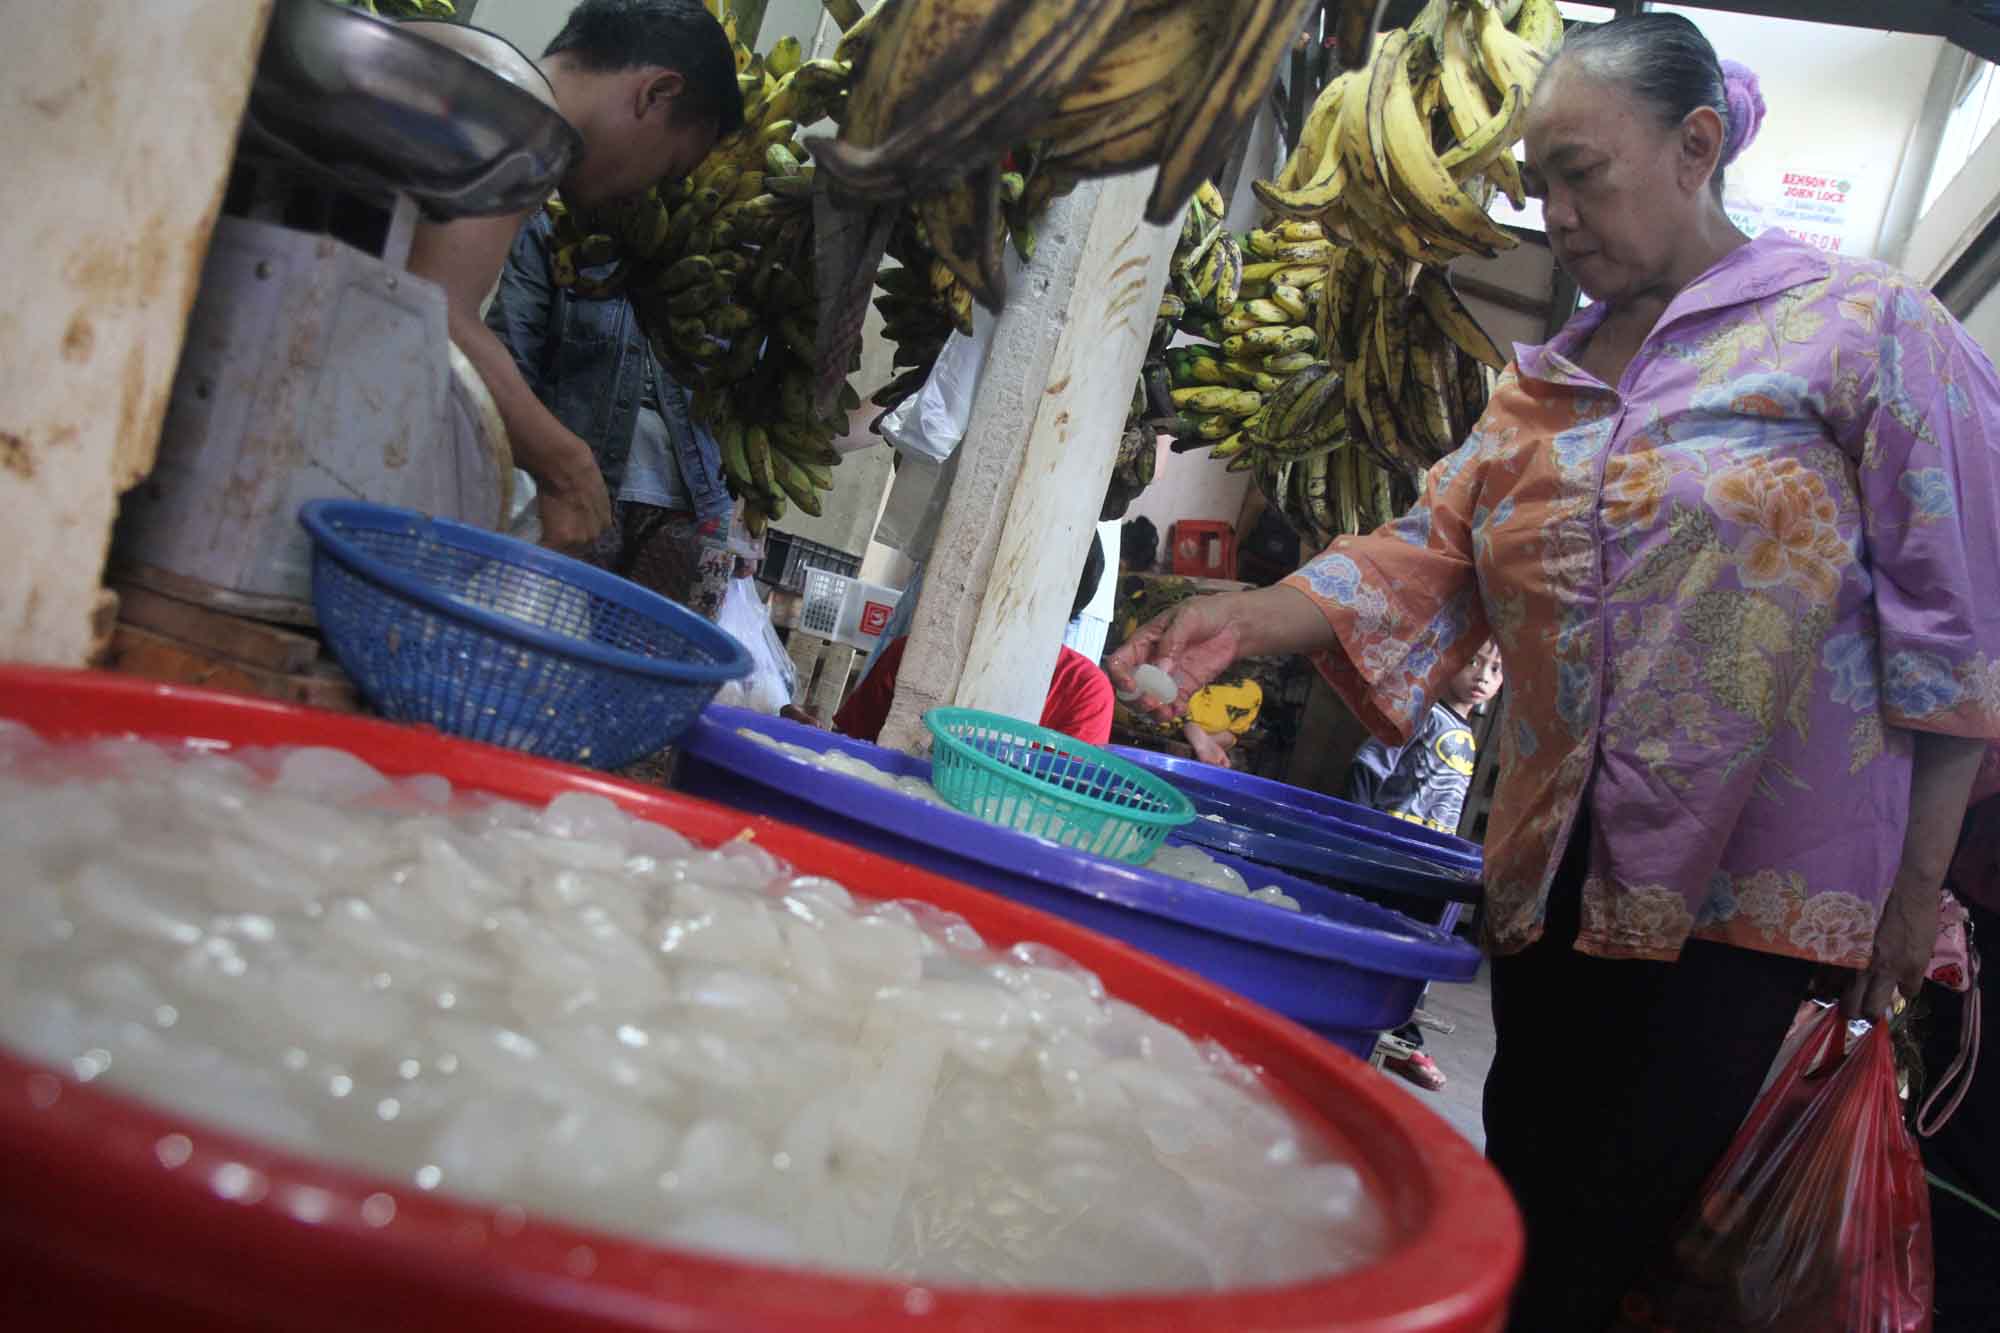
[{"x": 496, "y": 640}]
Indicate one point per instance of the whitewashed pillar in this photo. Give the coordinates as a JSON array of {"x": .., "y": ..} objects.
[
  {"x": 117, "y": 127},
  {"x": 1033, "y": 468}
]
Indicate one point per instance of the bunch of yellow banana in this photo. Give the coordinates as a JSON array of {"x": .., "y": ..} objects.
[
  {"x": 1206, "y": 272},
  {"x": 1401, "y": 157},
  {"x": 1246, "y": 387},
  {"x": 719, "y": 268},
  {"x": 946, "y": 88},
  {"x": 407, "y": 9}
]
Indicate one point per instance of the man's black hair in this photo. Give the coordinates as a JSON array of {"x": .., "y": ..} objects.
[
  {"x": 605, "y": 36},
  {"x": 1093, "y": 574}
]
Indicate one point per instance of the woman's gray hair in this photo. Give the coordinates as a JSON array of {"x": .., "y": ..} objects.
[{"x": 1664, "y": 61}]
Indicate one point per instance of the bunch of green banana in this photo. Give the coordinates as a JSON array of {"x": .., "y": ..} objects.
[
  {"x": 1400, "y": 157},
  {"x": 947, "y": 87},
  {"x": 787, "y": 458}
]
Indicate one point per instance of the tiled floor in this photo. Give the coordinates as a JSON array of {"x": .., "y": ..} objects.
[{"x": 1464, "y": 1055}]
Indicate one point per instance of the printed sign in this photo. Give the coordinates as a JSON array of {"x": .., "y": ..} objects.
[
  {"x": 1814, "y": 206},
  {"x": 875, "y": 618}
]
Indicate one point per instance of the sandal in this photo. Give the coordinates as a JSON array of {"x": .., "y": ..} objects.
[{"x": 1418, "y": 1068}]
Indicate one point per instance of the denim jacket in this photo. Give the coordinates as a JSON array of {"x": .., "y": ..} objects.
[{"x": 587, "y": 360}]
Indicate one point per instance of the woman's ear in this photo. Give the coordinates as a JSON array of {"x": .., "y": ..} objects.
[{"x": 1700, "y": 148}]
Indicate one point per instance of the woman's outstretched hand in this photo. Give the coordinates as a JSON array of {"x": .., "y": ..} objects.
[{"x": 1198, "y": 640}]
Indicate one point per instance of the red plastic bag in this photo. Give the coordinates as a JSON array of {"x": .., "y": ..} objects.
[{"x": 1816, "y": 1219}]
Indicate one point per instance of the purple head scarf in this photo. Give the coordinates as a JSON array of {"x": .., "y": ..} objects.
[{"x": 1746, "y": 108}]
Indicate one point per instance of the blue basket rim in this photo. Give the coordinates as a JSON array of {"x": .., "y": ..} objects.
[
  {"x": 1413, "y": 949},
  {"x": 319, "y": 516},
  {"x": 1180, "y": 809}
]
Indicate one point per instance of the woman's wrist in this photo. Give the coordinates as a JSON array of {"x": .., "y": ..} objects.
[{"x": 1280, "y": 621}]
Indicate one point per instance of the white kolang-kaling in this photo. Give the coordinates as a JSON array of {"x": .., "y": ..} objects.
[
  {"x": 1198, "y": 867},
  {"x": 578, "y": 1012},
  {"x": 838, "y": 761},
  {"x": 1183, "y": 863}
]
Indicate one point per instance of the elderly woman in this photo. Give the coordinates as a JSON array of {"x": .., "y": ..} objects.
[{"x": 1736, "y": 530}]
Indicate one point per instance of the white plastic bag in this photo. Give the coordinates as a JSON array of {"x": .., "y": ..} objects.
[
  {"x": 524, "y": 516},
  {"x": 772, "y": 677},
  {"x": 931, "y": 422}
]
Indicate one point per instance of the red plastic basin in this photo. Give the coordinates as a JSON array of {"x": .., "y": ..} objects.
[{"x": 117, "y": 1215}]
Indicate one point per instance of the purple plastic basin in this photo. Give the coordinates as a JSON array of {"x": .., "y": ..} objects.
[
  {"x": 1346, "y": 968},
  {"x": 1279, "y": 825}
]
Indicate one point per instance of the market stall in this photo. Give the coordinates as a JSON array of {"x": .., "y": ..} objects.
[{"x": 574, "y": 984}]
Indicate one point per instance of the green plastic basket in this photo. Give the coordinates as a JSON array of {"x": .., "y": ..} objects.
[{"x": 1053, "y": 786}]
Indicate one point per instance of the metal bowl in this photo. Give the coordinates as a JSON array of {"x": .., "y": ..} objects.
[{"x": 383, "y": 108}]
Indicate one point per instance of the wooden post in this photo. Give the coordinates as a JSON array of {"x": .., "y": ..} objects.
[
  {"x": 117, "y": 129},
  {"x": 1033, "y": 468}
]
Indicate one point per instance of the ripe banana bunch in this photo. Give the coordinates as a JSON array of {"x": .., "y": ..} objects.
[
  {"x": 719, "y": 268},
  {"x": 924, "y": 299},
  {"x": 1399, "y": 382},
  {"x": 407, "y": 9},
  {"x": 1414, "y": 360},
  {"x": 1132, "y": 473},
  {"x": 1333, "y": 493},
  {"x": 1231, "y": 392},
  {"x": 1401, "y": 157},
  {"x": 946, "y": 88},
  {"x": 1388, "y": 360}
]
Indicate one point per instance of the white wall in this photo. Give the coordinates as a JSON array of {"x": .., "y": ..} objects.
[
  {"x": 1841, "y": 104},
  {"x": 790, "y": 18},
  {"x": 528, "y": 24},
  {"x": 1957, "y": 218},
  {"x": 1190, "y": 486},
  {"x": 1984, "y": 324}
]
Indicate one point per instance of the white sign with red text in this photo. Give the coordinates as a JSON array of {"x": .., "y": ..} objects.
[{"x": 1814, "y": 206}]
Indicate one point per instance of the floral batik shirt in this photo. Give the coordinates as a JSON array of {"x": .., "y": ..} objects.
[{"x": 1726, "y": 590}]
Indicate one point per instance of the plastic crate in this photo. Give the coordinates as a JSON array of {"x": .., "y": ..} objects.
[
  {"x": 1204, "y": 549},
  {"x": 787, "y": 558},
  {"x": 846, "y": 610}
]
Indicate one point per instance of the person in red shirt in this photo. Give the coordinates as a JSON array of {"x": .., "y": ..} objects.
[{"x": 1080, "y": 701}]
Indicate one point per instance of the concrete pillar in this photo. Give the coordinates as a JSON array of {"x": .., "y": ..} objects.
[
  {"x": 117, "y": 130},
  {"x": 1033, "y": 468}
]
